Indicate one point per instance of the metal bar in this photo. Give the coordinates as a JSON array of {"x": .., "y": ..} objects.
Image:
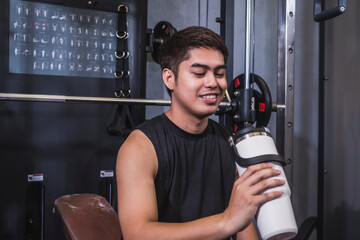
[
  {"x": 248, "y": 48},
  {"x": 77, "y": 99},
  {"x": 227, "y": 33},
  {"x": 280, "y": 115},
  {"x": 285, "y": 90},
  {"x": 321, "y": 131},
  {"x": 323, "y": 15}
]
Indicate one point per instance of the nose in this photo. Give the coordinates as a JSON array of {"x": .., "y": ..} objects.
[{"x": 210, "y": 81}]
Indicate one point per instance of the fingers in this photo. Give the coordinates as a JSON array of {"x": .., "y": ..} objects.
[
  {"x": 264, "y": 185},
  {"x": 250, "y": 192},
  {"x": 260, "y": 177},
  {"x": 255, "y": 168},
  {"x": 265, "y": 197},
  {"x": 258, "y": 172}
]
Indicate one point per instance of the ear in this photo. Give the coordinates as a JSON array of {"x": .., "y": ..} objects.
[{"x": 168, "y": 78}]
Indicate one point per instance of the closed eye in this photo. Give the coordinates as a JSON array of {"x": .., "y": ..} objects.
[
  {"x": 199, "y": 74},
  {"x": 219, "y": 75}
]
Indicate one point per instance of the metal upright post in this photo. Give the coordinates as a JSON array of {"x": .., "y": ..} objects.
[
  {"x": 321, "y": 132},
  {"x": 227, "y": 32},
  {"x": 248, "y": 44},
  {"x": 226, "y": 20},
  {"x": 285, "y": 85}
]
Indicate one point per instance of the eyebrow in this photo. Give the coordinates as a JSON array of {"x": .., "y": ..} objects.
[{"x": 199, "y": 65}]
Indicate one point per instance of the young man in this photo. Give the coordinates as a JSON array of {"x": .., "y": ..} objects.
[{"x": 176, "y": 173}]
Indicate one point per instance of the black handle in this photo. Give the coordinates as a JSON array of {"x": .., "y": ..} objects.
[{"x": 320, "y": 15}]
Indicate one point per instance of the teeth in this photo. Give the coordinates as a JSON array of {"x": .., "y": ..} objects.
[{"x": 209, "y": 96}]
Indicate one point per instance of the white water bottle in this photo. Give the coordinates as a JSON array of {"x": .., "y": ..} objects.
[{"x": 275, "y": 219}]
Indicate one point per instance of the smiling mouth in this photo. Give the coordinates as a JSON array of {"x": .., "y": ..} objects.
[{"x": 209, "y": 96}]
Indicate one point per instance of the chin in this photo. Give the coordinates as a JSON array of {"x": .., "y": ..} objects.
[{"x": 208, "y": 112}]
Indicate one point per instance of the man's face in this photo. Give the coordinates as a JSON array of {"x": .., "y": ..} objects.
[{"x": 201, "y": 83}]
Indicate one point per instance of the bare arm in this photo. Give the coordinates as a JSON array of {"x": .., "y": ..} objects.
[
  {"x": 249, "y": 233},
  {"x": 136, "y": 169}
]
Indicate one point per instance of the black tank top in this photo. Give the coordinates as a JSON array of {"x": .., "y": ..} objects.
[{"x": 195, "y": 171}]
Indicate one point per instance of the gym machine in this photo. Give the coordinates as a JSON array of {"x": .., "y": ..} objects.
[
  {"x": 252, "y": 141},
  {"x": 243, "y": 117},
  {"x": 258, "y": 114},
  {"x": 322, "y": 14}
]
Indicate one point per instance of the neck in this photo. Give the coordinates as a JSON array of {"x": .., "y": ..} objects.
[{"x": 190, "y": 124}]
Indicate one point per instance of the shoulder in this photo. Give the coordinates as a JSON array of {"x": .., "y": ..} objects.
[
  {"x": 136, "y": 151},
  {"x": 137, "y": 138},
  {"x": 142, "y": 135}
]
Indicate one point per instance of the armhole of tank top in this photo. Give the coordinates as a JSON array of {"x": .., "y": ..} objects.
[{"x": 156, "y": 153}]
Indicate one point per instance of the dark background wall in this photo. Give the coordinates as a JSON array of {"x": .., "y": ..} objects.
[
  {"x": 342, "y": 125},
  {"x": 341, "y": 120},
  {"x": 68, "y": 143}
]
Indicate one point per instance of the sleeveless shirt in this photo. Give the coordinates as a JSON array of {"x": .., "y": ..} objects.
[{"x": 195, "y": 173}]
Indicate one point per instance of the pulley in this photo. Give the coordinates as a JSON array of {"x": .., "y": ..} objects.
[
  {"x": 261, "y": 102},
  {"x": 162, "y": 31}
]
